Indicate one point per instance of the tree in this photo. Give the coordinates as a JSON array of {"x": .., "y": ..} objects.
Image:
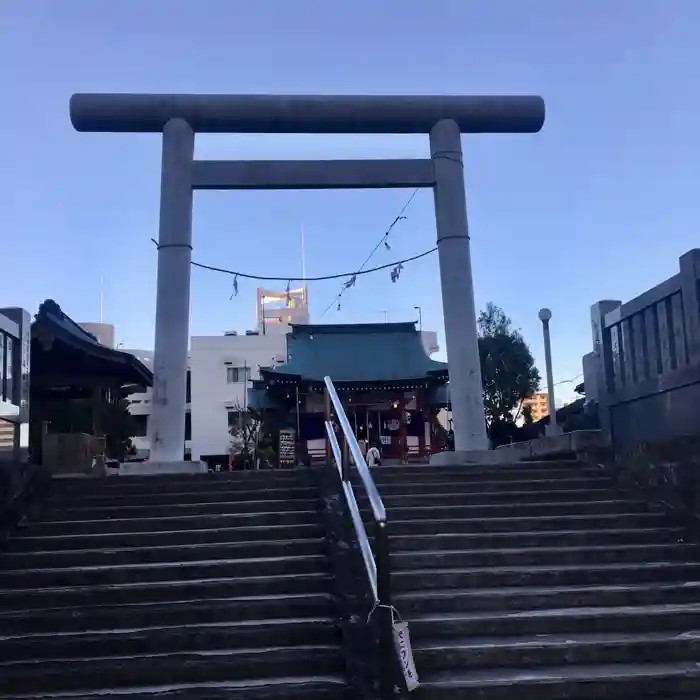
[
  {"x": 118, "y": 427},
  {"x": 252, "y": 438},
  {"x": 507, "y": 366}
]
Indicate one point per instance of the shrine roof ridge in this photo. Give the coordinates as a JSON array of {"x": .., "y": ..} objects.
[
  {"x": 357, "y": 353},
  {"x": 353, "y": 328},
  {"x": 307, "y": 114}
]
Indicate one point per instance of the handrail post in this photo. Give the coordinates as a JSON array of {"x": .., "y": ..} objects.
[
  {"x": 384, "y": 611},
  {"x": 327, "y": 396},
  {"x": 346, "y": 459}
]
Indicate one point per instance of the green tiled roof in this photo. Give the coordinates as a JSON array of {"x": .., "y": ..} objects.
[{"x": 362, "y": 352}]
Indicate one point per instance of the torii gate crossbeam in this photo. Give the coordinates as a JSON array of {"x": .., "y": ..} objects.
[{"x": 179, "y": 117}]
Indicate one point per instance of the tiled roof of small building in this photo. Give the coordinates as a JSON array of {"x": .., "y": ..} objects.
[
  {"x": 352, "y": 353},
  {"x": 51, "y": 321}
]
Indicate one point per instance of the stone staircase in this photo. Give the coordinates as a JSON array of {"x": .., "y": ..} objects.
[
  {"x": 212, "y": 586},
  {"x": 540, "y": 581}
]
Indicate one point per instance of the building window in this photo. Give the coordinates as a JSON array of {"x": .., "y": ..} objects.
[
  {"x": 140, "y": 425},
  {"x": 2, "y": 366},
  {"x": 9, "y": 368},
  {"x": 237, "y": 375},
  {"x": 233, "y": 418}
]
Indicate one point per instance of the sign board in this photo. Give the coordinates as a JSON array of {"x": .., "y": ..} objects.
[
  {"x": 402, "y": 640},
  {"x": 287, "y": 447}
]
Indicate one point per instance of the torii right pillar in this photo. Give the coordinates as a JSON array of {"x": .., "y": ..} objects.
[{"x": 458, "y": 307}]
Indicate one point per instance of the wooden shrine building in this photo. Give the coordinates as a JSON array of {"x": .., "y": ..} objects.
[
  {"x": 384, "y": 377},
  {"x": 77, "y": 386}
]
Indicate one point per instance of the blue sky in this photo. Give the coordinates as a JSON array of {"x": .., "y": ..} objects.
[{"x": 600, "y": 204}]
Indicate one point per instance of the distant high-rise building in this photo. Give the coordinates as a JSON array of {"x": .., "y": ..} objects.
[
  {"x": 278, "y": 310},
  {"x": 540, "y": 405}
]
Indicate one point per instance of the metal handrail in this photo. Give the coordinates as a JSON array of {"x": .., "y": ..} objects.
[
  {"x": 355, "y": 515},
  {"x": 375, "y": 500},
  {"x": 377, "y": 562}
]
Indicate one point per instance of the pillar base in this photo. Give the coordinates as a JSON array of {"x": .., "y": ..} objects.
[
  {"x": 467, "y": 457},
  {"x": 553, "y": 430},
  {"x": 160, "y": 468}
]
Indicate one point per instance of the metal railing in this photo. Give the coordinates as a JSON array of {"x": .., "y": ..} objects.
[{"x": 376, "y": 562}]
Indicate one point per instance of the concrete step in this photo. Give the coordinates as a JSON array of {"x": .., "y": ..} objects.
[
  {"x": 638, "y": 619},
  {"x": 191, "y": 667},
  {"x": 225, "y": 492},
  {"x": 118, "y": 574},
  {"x": 81, "y": 618},
  {"x": 516, "y": 523},
  {"x": 435, "y": 602},
  {"x": 220, "y": 507},
  {"x": 514, "y": 470},
  {"x": 21, "y": 542},
  {"x": 312, "y": 687},
  {"x": 573, "y": 682},
  {"x": 537, "y": 538},
  {"x": 543, "y": 556},
  {"x": 610, "y": 506},
  {"x": 164, "y": 554},
  {"x": 557, "y": 650},
  {"x": 58, "y": 595},
  {"x": 169, "y": 639},
  {"x": 562, "y": 575},
  {"x": 541, "y": 582},
  {"x": 165, "y": 482},
  {"x": 174, "y": 522},
  {"x": 506, "y": 497},
  {"x": 409, "y": 486},
  {"x": 216, "y": 587}
]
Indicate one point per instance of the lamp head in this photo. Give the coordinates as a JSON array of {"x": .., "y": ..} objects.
[{"x": 545, "y": 315}]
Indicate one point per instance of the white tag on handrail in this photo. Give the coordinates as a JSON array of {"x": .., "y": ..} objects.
[{"x": 402, "y": 640}]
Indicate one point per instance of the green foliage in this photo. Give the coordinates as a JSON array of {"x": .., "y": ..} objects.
[
  {"x": 253, "y": 434},
  {"x": 507, "y": 366},
  {"x": 118, "y": 427}
]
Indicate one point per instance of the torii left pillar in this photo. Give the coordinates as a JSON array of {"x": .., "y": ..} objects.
[{"x": 167, "y": 429}]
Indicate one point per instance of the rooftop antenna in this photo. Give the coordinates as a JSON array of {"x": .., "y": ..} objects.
[
  {"x": 102, "y": 297},
  {"x": 303, "y": 267}
]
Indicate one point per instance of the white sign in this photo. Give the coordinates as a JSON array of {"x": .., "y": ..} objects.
[{"x": 402, "y": 640}]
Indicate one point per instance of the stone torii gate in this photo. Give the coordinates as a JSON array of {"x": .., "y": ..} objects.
[{"x": 179, "y": 117}]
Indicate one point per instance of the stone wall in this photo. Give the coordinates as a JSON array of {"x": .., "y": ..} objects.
[
  {"x": 20, "y": 483},
  {"x": 666, "y": 472},
  {"x": 645, "y": 367}
]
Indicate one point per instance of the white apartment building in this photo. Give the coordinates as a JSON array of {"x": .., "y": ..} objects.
[{"x": 221, "y": 370}]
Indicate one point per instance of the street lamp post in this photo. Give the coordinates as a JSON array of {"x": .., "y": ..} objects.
[
  {"x": 545, "y": 316},
  {"x": 420, "y": 317}
]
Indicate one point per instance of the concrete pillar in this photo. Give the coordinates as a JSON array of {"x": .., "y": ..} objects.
[
  {"x": 167, "y": 423},
  {"x": 602, "y": 348},
  {"x": 466, "y": 389},
  {"x": 690, "y": 290},
  {"x": 545, "y": 316}
]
